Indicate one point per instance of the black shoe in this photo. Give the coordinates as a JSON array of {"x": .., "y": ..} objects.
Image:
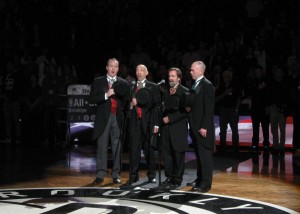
[
  {"x": 117, "y": 180},
  {"x": 275, "y": 151},
  {"x": 131, "y": 181},
  {"x": 202, "y": 189},
  {"x": 170, "y": 186},
  {"x": 167, "y": 181},
  {"x": 128, "y": 185},
  {"x": 152, "y": 180},
  {"x": 194, "y": 183},
  {"x": 282, "y": 152},
  {"x": 254, "y": 148},
  {"x": 266, "y": 148},
  {"x": 222, "y": 148},
  {"x": 175, "y": 185},
  {"x": 236, "y": 150},
  {"x": 98, "y": 180}
]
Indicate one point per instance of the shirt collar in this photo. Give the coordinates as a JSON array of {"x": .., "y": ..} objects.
[
  {"x": 198, "y": 80},
  {"x": 142, "y": 81},
  {"x": 175, "y": 86},
  {"x": 111, "y": 78}
]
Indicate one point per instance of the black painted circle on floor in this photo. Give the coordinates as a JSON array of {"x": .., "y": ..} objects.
[{"x": 109, "y": 200}]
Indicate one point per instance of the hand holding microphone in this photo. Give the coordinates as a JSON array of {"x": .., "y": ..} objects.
[{"x": 133, "y": 102}]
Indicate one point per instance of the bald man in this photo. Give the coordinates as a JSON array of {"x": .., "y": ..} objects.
[{"x": 143, "y": 123}]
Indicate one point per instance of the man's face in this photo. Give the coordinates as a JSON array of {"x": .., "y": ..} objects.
[
  {"x": 112, "y": 68},
  {"x": 227, "y": 76},
  {"x": 141, "y": 72},
  {"x": 173, "y": 78},
  {"x": 196, "y": 71}
]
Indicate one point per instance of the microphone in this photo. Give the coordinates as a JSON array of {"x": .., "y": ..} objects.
[
  {"x": 161, "y": 82},
  {"x": 132, "y": 84},
  {"x": 131, "y": 87}
]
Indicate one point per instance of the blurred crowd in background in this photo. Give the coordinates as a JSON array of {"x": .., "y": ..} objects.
[{"x": 46, "y": 45}]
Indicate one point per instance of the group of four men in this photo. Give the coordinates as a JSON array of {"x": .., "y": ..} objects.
[{"x": 152, "y": 110}]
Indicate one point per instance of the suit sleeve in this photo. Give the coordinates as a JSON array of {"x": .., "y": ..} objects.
[
  {"x": 181, "y": 113},
  {"x": 97, "y": 94},
  {"x": 177, "y": 116},
  {"x": 209, "y": 103}
]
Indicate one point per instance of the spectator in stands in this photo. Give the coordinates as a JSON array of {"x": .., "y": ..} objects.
[
  {"x": 50, "y": 93},
  {"x": 14, "y": 87},
  {"x": 188, "y": 57},
  {"x": 278, "y": 95},
  {"x": 259, "y": 111},
  {"x": 124, "y": 73},
  {"x": 32, "y": 112},
  {"x": 295, "y": 95},
  {"x": 42, "y": 62},
  {"x": 228, "y": 97},
  {"x": 139, "y": 56}
]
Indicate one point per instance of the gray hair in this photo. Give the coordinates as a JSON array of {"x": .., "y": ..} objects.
[{"x": 201, "y": 64}]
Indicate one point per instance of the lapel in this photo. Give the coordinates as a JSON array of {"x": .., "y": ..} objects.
[
  {"x": 147, "y": 84},
  {"x": 105, "y": 83},
  {"x": 178, "y": 90}
]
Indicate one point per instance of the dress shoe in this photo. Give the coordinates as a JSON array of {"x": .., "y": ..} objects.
[
  {"x": 202, "y": 189},
  {"x": 174, "y": 185},
  {"x": 117, "y": 180},
  {"x": 152, "y": 180},
  {"x": 167, "y": 181},
  {"x": 193, "y": 183},
  {"x": 266, "y": 148},
  {"x": 131, "y": 181},
  {"x": 167, "y": 187},
  {"x": 98, "y": 180},
  {"x": 254, "y": 148}
]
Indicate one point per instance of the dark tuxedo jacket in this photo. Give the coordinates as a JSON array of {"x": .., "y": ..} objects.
[
  {"x": 202, "y": 113},
  {"x": 97, "y": 96},
  {"x": 149, "y": 110},
  {"x": 178, "y": 125}
]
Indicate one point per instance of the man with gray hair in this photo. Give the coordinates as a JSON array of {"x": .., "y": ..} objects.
[{"x": 201, "y": 120}]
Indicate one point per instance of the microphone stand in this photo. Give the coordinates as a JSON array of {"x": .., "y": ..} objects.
[
  {"x": 131, "y": 87},
  {"x": 123, "y": 130},
  {"x": 160, "y": 110}
]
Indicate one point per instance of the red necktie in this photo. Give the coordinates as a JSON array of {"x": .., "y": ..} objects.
[
  {"x": 139, "y": 109},
  {"x": 114, "y": 103},
  {"x": 172, "y": 90}
]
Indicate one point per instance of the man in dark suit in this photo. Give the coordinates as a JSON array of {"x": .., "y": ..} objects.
[
  {"x": 143, "y": 123},
  {"x": 201, "y": 120},
  {"x": 109, "y": 120},
  {"x": 174, "y": 131}
]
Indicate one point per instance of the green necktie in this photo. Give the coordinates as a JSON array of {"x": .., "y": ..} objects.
[
  {"x": 194, "y": 85},
  {"x": 111, "y": 81}
]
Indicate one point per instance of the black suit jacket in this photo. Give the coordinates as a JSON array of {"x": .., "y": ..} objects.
[
  {"x": 150, "y": 110},
  {"x": 202, "y": 113},
  {"x": 178, "y": 125},
  {"x": 97, "y": 96}
]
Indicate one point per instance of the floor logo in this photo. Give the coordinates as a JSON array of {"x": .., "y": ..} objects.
[{"x": 108, "y": 200}]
